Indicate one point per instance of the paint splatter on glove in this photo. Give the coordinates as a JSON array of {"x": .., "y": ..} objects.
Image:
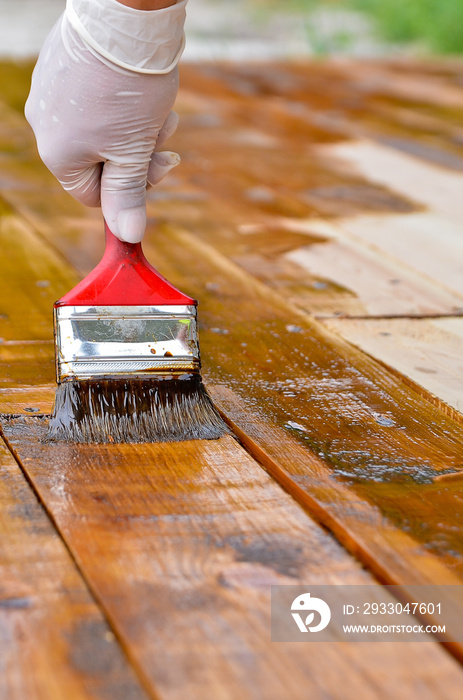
[{"x": 100, "y": 105}]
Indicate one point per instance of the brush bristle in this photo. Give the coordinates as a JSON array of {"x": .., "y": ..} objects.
[{"x": 134, "y": 410}]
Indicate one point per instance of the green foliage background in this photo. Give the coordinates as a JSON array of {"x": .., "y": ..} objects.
[{"x": 436, "y": 25}]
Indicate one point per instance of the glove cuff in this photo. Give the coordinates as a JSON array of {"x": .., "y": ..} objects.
[{"x": 144, "y": 41}]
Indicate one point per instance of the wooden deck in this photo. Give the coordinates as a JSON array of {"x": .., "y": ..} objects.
[{"x": 318, "y": 217}]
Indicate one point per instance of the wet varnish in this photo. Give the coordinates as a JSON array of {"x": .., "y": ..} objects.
[{"x": 160, "y": 557}]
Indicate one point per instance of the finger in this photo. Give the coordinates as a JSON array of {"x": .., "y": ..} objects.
[
  {"x": 123, "y": 199},
  {"x": 161, "y": 163},
  {"x": 80, "y": 177},
  {"x": 84, "y": 184}
]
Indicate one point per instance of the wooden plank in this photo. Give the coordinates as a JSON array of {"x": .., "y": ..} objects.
[
  {"x": 408, "y": 82},
  {"x": 26, "y": 363},
  {"x": 181, "y": 543},
  {"x": 271, "y": 251},
  {"x": 351, "y": 193},
  {"x": 32, "y": 277},
  {"x": 428, "y": 352},
  {"x": 429, "y": 242},
  {"x": 412, "y": 240},
  {"x": 377, "y": 285},
  {"x": 347, "y": 101},
  {"x": 55, "y": 643},
  {"x": 391, "y": 552},
  {"x": 393, "y": 104},
  {"x": 36, "y": 399},
  {"x": 373, "y": 433},
  {"x": 326, "y": 388},
  {"x": 311, "y": 177},
  {"x": 363, "y": 529},
  {"x": 263, "y": 195},
  {"x": 212, "y": 289},
  {"x": 350, "y": 410},
  {"x": 434, "y": 187}
]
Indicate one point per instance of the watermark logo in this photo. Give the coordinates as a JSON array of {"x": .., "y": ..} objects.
[
  {"x": 366, "y": 613},
  {"x": 305, "y": 603}
]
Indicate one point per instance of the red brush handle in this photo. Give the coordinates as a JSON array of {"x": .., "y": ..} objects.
[{"x": 124, "y": 277}]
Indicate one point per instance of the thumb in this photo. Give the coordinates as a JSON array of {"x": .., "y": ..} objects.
[{"x": 123, "y": 199}]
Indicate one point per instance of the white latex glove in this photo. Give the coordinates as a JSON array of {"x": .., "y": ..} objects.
[{"x": 100, "y": 105}]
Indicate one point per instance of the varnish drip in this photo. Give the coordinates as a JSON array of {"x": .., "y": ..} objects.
[{"x": 167, "y": 409}]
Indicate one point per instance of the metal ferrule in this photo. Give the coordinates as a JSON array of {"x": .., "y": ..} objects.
[{"x": 125, "y": 341}]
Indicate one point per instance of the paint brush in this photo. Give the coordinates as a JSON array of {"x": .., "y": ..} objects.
[{"x": 127, "y": 357}]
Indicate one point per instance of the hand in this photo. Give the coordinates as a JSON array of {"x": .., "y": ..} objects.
[{"x": 99, "y": 127}]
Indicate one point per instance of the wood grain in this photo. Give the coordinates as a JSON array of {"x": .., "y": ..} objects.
[
  {"x": 409, "y": 458},
  {"x": 377, "y": 436},
  {"x": 374, "y": 433},
  {"x": 181, "y": 543},
  {"x": 428, "y": 352},
  {"x": 207, "y": 529},
  {"x": 411, "y": 240},
  {"x": 55, "y": 643},
  {"x": 360, "y": 526},
  {"x": 376, "y": 283},
  {"x": 34, "y": 399},
  {"x": 430, "y": 241},
  {"x": 414, "y": 81},
  {"x": 263, "y": 181},
  {"x": 32, "y": 277}
]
